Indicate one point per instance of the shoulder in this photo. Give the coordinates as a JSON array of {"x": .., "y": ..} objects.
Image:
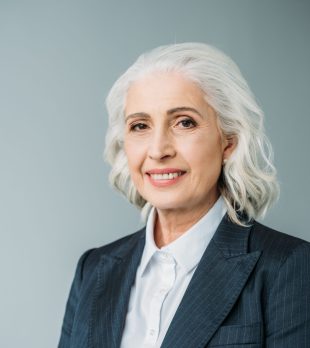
[
  {"x": 91, "y": 258},
  {"x": 277, "y": 248},
  {"x": 264, "y": 237}
]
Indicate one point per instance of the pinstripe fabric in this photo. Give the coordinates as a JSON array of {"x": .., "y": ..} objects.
[
  {"x": 97, "y": 304},
  {"x": 251, "y": 289}
]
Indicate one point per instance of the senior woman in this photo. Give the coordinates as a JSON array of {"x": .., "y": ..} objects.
[{"x": 187, "y": 147}]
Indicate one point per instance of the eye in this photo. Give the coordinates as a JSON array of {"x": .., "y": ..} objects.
[
  {"x": 187, "y": 123},
  {"x": 136, "y": 127}
]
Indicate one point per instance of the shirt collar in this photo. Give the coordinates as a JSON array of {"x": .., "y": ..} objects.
[{"x": 198, "y": 237}]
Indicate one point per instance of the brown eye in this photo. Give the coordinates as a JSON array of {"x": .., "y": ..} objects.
[
  {"x": 138, "y": 127},
  {"x": 187, "y": 123}
]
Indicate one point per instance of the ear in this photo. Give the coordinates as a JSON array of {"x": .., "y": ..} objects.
[{"x": 229, "y": 145}]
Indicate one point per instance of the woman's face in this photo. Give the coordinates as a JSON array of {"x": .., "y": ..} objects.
[{"x": 173, "y": 143}]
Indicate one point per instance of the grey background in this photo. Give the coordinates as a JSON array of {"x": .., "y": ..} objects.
[{"x": 58, "y": 60}]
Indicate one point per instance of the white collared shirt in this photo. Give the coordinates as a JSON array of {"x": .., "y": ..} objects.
[{"x": 162, "y": 278}]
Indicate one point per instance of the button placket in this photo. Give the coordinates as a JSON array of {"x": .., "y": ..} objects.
[{"x": 166, "y": 263}]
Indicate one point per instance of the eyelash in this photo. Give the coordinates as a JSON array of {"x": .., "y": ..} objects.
[
  {"x": 188, "y": 119},
  {"x": 135, "y": 127}
]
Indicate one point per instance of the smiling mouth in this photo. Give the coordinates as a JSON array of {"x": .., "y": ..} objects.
[{"x": 165, "y": 176}]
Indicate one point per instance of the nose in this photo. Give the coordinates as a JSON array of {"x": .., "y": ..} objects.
[{"x": 161, "y": 145}]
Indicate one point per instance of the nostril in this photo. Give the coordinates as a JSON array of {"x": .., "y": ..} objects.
[{"x": 161, "y": 151}]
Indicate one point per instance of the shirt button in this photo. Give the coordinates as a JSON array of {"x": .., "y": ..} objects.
[
  {"x": 152, "y": 332},
  {"x": 165, "y": 257}
]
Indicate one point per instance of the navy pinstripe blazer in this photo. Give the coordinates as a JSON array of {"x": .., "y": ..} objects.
[{"x": 251, "y": 289}]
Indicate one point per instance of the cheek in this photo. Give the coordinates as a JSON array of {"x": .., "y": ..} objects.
[
  {"x": 204, "y": 159},
  {"x": 201, "y": 151},
  {"x": 134, "y": 155}
]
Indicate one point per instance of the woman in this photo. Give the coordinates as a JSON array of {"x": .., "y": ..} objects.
[{"x": 187, "y": 147}]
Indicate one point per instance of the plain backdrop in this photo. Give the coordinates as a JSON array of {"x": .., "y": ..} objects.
[{"x": 58, "y": 60}]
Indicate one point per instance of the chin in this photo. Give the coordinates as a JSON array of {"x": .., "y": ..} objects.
[{"x": 168, "y": 205}]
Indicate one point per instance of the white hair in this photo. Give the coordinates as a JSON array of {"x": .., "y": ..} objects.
[{"x": 248, "y": 181}]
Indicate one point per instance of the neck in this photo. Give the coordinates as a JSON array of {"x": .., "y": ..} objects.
[{"x": 171, "y": 224}]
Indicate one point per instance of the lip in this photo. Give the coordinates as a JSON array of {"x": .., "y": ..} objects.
[
  {"x": 165, "y": 182},
  {"x": 165, "y": 171}
]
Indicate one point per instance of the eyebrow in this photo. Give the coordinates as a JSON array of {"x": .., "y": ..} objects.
[
  {"x": 182, "y": 109},
  {"x": 169, "y": 112}
]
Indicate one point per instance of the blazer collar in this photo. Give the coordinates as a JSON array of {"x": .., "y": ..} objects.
[
  {"x": 115, "y": 276},
  {"x": 214, "y": 288}
]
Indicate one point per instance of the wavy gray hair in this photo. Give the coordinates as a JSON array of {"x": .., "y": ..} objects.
[{"x": 248, "y": 181}]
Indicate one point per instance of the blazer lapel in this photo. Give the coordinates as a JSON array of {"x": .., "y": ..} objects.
[
  {"x": 115, "y": 276},
  {"x": 216, "y": 284}
]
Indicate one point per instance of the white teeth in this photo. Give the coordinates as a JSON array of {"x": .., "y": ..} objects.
[{"x": 166, "y": 176}]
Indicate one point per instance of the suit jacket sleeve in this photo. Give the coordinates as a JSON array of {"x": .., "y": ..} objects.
[
  {"x": 288, "y": 307},
  {"x": 72, "y": 303}
]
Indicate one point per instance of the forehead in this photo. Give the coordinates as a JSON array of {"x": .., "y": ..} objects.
[{"x": 163, "y": 90}]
